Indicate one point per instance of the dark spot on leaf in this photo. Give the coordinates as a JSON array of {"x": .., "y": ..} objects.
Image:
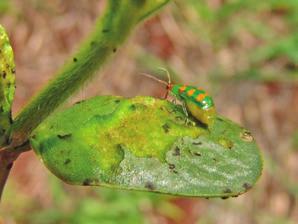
[
  {"x": 41, "y": 147},
  {"x": 227, "y": 191},
  {"x": 166, "y": 128},
  {"x": 226, "y": 143},
  {"x": 87, "y": 182},
  {"x": 197, "y": 143},
  {"x": 64, "y": 152},
  {"x": 120, "y": 152},
  {"x": 117, "y": 101},
  {"x": 67, "y": 161},
  {"x": 9, "y": 166},
  {"x": 64, "y": 136},
  {"x": 224, "y": 132},
  {"x": 230, "y": 146},
  {"x": 214, "y": 159},
  {"x": 114, "y": 50},
  {"x": 13, "y": 70},
  {"x": 133, "y": 107},
  {"x": 105, "y": 30},
  {"x": 197, "y": 154},
  {"x": 4, "y": 74},
  {"x": 219, "y": 118},
  {"x": 172, "y": 166},
  {"x": 225, "y": 197},
  {"x": 175, "y": 171},
  {"x": 81, "y": 101},
  {"x": 75, "y": 59},
  {"x": 246, "y": 136},
  {"x": 176, "y": 151},
  {"x": 149, "y": 185},
  {"x": 189, "y": 152},
  {"x": 246, "y": 186},
  {"x": 33, "y": 136},
  {"x": 120, "y": 147},
  {"x": 138, "y": 106}
]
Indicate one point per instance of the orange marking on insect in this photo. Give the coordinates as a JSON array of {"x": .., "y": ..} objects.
[
  {"x": 182, "y": 88},
  {"x": 200, "y": 97},
  {"x": 190, "y": 92}
]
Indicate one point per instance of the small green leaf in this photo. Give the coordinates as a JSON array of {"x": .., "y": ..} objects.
[
  {"x": 7, "y": 83},
  {"x": 147, "y": 144}
]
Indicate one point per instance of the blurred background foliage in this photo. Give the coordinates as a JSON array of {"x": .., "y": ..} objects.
[{"x": 244, "y": 52}]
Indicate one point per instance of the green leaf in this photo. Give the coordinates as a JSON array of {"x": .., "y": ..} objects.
[
  {"x": 7, "y": 83},
  {"x": 146, "y": 144}
]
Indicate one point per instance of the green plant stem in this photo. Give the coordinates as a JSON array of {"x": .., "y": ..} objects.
[{"x": 111, "y": 30}]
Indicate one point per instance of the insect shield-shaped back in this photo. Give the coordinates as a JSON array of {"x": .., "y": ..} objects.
[{"x": 198, "y": 103}]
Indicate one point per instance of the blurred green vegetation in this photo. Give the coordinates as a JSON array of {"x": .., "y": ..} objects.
[
  {"x": 263, "y": 37},
  {"x": 271, "y": 27},
  {"x": 226, "y": 25},
  {"x": 4, "y": 5},
  {"x": 93, "y": 205}
]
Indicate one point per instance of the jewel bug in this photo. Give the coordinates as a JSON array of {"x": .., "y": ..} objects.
[{"x": 195, "y": 101}]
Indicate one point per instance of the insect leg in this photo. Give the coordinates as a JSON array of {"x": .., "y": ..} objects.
[
  {"x": 187, "y": 120},
  {"x": 166, "y": 95},
  {"x": 174, "y": 101},
  {"x": 185, "y": 111},
  {"x": 184, "y": 108}
]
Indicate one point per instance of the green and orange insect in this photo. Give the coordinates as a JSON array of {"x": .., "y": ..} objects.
[{"x": 194, "y": 100}]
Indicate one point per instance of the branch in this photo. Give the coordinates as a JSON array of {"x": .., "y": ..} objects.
[{"x": 110, "y": 32}]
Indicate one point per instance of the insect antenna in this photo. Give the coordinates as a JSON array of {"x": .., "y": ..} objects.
[
  {"x": 168, "y": 84},
  {"x": 168, "y": 74},
  {"x": 154, "y": 78}
]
